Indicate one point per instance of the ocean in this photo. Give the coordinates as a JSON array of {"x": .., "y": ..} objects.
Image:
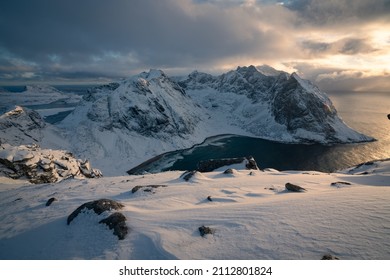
[{"x": 363, "y": 111}]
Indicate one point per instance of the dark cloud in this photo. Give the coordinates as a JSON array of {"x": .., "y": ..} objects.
[
  {"x": 159, "y": 34},
  {"x": 91, "y": 39},
  {"x": 335, "y": 12},
  {"x": 347, "y": 46}
]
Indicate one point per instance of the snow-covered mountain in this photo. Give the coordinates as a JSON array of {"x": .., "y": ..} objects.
[
  {"x": 126, "y": 123},
  {"x": 22, "y": 126},
  {"x": 272, "y": 104},
  {"x": 122, "y": 124}
]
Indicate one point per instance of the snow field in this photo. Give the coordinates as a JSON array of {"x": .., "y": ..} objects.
[{"x": 253, "y": 216}]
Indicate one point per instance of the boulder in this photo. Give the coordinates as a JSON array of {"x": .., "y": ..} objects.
[
  {"x": 203, "y": 230},
  {"x": 251, "y": 163},
  {"x": 51, "y": 200},
  {"x": 229, "y": 171},
  {"x": 147, "y": 188},
  {"x": 340, "y": 184},
  {"x": 329, "y": 257},
  {"x": 188, "y": 175},
  {"x": 294, "y": 188},
  {"x": 98, "y": 206},
  {"x": 117, "y": 221}
]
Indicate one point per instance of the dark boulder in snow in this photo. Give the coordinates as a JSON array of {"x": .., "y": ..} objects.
[
  {"x": 329, "y": 257},
  {"x": 98, "y": 206},
  {"x": 117, "y": 221},
  {"x": 147, "y": 188},
  {"x": 229, "y": 171},
  {"x": 294, "y": 188},
  {"x": 188, "y": 175},
  {"x": 51, "y": 200},
  {"x": 203, "y": 230}
]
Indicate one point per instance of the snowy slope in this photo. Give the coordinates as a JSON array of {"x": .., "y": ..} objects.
[{"x": 252, "y": 216}]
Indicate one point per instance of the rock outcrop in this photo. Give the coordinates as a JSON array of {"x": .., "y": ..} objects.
[
  {"x": 98, "y": 206},
  {"x": 294, "y": 188},
  {"x": 117, "y": 222},
  {"x": 42, "y": 165}
]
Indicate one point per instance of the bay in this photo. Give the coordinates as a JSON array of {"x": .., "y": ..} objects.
[{"x": 363, "y": 111}]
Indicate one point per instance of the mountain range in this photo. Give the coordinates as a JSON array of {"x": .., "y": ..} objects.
[{"x": 122, "y": 124}]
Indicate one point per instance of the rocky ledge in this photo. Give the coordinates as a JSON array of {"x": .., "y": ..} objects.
[{"x": 42, "y": 165}]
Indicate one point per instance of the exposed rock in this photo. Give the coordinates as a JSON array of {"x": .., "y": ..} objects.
[
  {"x": 117, "y": 221},
  {"x": 42, "y": 165},
  {"x": 188, "y": 175},
  {"x": 51, "y": 200},
  {"x": 388, "y": 116},
  {"x": 294, "y": 188},
  {"x": 340, "y": 184},
  {"x": 209, "y": 198},
  {"x": 203, "y": 230},
  {"x": 98, "y": 206},
  {"x": 251, "y": 163},
  {"x": 229, "y": 171},
  {"x": 212, "y": 164},
  {"x": 147, "y": 188},
  {"x": 329, "y": 257}
]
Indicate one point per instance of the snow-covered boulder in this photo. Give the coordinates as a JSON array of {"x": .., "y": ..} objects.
[{"x": 42, "y": 165}]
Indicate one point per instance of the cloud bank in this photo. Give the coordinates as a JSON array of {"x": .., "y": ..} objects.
[{"x": 96, "y": 40}]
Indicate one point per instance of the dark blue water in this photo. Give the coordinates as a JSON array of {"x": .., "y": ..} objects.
[{"x": 365, "y": 112}]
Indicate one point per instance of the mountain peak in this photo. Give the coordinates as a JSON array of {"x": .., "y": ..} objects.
[
  {"x": 153, "y": 74},
  {"x": 268, "y": 70}
]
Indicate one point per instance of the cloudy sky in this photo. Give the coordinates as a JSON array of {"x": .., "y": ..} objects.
[{"x": 338, "y": 44}]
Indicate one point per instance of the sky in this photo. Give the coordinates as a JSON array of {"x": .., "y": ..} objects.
[{"x": 338, "y": 44}]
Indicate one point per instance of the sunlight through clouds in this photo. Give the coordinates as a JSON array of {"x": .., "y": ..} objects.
[{"x": 115, "y": 40}]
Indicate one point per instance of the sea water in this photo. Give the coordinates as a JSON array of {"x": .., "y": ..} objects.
[{"x": 365, "y": 112}]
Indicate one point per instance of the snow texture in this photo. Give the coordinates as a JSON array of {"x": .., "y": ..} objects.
[{"x": 252, "y": 217}]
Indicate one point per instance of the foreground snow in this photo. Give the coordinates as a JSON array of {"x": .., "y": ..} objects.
[{"x": 253, "y": 216}]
